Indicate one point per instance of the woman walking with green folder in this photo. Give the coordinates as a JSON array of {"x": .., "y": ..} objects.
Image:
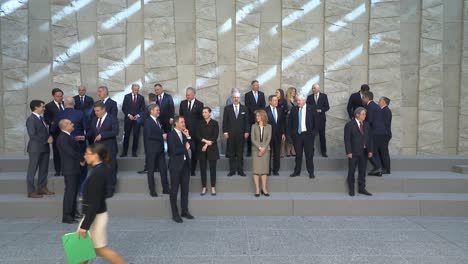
[{"x": 94, "y": 203}]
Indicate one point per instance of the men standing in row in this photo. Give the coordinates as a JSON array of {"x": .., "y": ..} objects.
[
  {"x": 254, "y": 100},
  {"x": 38, "y": 150},
  {"x": 166, "y": 104},
  {"x": 358, "y": 146},
  {"x": 153, "y": 137},
  {"x": 236, "y": 130},
  {"x": 383, "y": 151},
  {"x": 278, "y": 130},
  {"x": 355, "y": 100},
  {"x": 379, "y": 132},
  {"x": 104, "y": 129},
  {"x": 191, "y": 110},
  {"x": 319, "y": 102},
  {"x": 133, "y": 106},
  {"x": 50, "y": 113},
  {"x": 178, "y": 144},
  {"x": 303, "y": 125},
  {"x": 111, "y": 105},
  {"x": 72, "y": 161}
]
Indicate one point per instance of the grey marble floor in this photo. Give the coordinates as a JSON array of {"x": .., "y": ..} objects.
[{"x": 259, "y": 240}]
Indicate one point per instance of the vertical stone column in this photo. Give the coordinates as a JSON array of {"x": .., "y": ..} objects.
[
  {"x": 452, "y": 53},
  {"x": 463, "y": 114},
  {"x": 384, "y": 60},
  {"x": 430, "y": 112},
  {"x": 135, "y": 65},
  {"x": 410, "y": 25}
]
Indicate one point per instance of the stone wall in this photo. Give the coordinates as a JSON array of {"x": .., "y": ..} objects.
[{"x": 413, "y": 51}]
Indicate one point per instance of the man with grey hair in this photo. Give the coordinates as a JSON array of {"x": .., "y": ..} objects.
[
  {"x": 83, "y": 102},
  {"x": 111, "y": 105},
  {"x": 191, "y": 110},
  {"x": 133, "y": 106},
  {"x": 358, "y": 145},
  {"x": 303, "y": 126},
  {"x": 319, "y": 101}
]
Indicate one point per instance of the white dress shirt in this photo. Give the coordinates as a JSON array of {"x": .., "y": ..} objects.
[
  {"x": 102, "y": 120},
  {"x": 303, "y": 121}
]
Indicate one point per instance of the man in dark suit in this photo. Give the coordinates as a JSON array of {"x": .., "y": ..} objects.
[
  {"x": 236, "y": 130},
  {"x": 379, "y": 131},
  {"x": 154, "y": 136},
  {"x": 84, "y": 103},
  {"x": 383, "y": 151},
  {"x": 166, "y": 104},
  {"x": 51, "y": 111},
  {"x": 79, "y": 126},
  {"x": 72, "y": 160},
  {"x": 142, "y": 119},
  {"x": 303, "y": 126},
  {"x": 358, "y": 145},
  {"x": 319, "y": 102},
  {"x": 355, "y": 100},
  {"x": 111, "y": 105},
  {"x": 254, "y": 100},
  {"x": 38, "y": 150},
  {"x": 191, "y": 110},
  {"x": 178, "y": 143},
  {"x": 104, "y": 129},
  {"x": 133, "y": 107},
  {"x": 277, "y": 121}
]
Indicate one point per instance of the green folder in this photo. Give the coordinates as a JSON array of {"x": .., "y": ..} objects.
[{"x": 77, "y": 249}]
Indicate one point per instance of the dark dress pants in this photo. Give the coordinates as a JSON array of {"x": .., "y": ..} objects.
[
  {"x": 321, "y": 132},
  {"x": 37, "y": 160},
  {"x": 57, "y": 161},
  {"x": 203, "y": 168},
  {"x": 304, "y": 142},
  {"x": 236, "y": 159},
  {"x": 375, "y": 160},
  {"x": 275, "y": 154},
  {"x": 359, "y": 161},
  {"x": 180, "y": 176},
  {"x": 157, "y": 160},
  {"x": 70, "y": 194},
  {"x": 129, "y": 126},
  {"x": 385, "y": 153}
]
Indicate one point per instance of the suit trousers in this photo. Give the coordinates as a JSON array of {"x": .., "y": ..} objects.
[
  {"x": 129, "y": 126},
  {"x": 57, "y": 161},
  {"x": 304, "y": 142},
  {"x": 236, "y": 147},
  {"x": 323, "y": 141},
  {"x": 70, "y": 194},
  {"x": 193, "y": 148},
  {"x": 180, "y": 176},
  {"x": 112, "y": 182},
  {"x": 203, "y": 168},
  {"x": 37, "y": 160},
  {"x": 275, "y": 153},
  {"x": 384, "y": 153},
  {"x": 375, "y": 160},
  {"x": 359, "y": 161},
  {"x": 157, "y": 160}
]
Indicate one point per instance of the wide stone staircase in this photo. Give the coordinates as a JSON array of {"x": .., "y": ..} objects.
[{"x": 418, "y": 186}]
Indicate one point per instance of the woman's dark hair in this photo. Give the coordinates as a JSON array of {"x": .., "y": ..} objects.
[
  {"x": 207, "y": 108},
  {"x": 101, "y": 151},
  {"x": 281, "y": 93}
]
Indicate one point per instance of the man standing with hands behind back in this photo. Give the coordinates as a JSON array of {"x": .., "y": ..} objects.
[
  {"x": 319, "y": 102},
  {"x": 133, "y": 107}
]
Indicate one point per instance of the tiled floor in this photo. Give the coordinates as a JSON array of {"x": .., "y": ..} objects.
[{"x": 259, "y": 240}]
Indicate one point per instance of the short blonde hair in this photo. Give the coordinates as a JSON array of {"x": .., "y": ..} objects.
[{"x": 263, "y": 116}]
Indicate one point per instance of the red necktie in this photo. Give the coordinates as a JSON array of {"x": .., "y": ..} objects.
[
  {"x": 361, "y": 128},
  {"x": 134, "y": 99}
]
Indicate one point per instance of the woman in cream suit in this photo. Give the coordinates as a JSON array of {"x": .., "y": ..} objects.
[{"x": 261, "y": 136}]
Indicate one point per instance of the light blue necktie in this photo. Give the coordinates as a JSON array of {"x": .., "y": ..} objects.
[
  {"x": 256, "y": 97},
  {"x": 274, "y": 115},
  {"x": 299, "y": 127}
]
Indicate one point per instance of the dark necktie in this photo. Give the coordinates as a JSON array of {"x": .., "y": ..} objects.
[
  {"x": 60, "y": 107},
  {"x": 99, "y": 125},
  {"x": 82, "y": 100},
  {"x": 361, "y": 128},
  {"x": 158, "y": 101},
  {"x": 157, "y": 123},
  {"x": 134, "y": 99},
  {"x": 190, "y": 106}
]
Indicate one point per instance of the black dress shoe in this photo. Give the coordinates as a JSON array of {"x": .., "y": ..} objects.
[
  {"x": 58, "y": 174},
  {"x": 123, "y": 155},
  {"x": 385, "y": 171},
  {"x": 325, "y": 155},
  {"x": 142, "y": 172},
  {"x": 78, "y": 216},
  {"x": 166, "y": 191},
  {"x": 187, "y": 215},
  {"x": 351, "y": 193},
  {"x": 265, "y": 194},
  {"x": 192, "y": 174},
  {"x": 69, "y": 221},
  {"x": 375, "y": 173},
  {"x": 257, "y": 195},
  {"x": 275, "y": 173},
  {"x": 134, "y": 155},
  {"x": 248, "y": 154},
  {"x": 177, "y": 219},
  {"x": 242, "y": 174},
  {"x": 365, "y": 192},
  {"x": 312, "y": 176},
  {"x": 230, "y": 174},
  {"x": 294, "y": 175},
  {"x": 154, "y": 194}
]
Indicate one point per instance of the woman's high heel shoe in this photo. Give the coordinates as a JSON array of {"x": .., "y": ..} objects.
[
  {"x": 213, "y": 191},
  {"x": 203, "y": 192},
  {"x": 257, "y": 195},
  {"x": 265, "y": 194}
]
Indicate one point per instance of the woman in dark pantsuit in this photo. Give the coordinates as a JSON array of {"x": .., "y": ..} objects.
[{"x": 207, "y": 134}]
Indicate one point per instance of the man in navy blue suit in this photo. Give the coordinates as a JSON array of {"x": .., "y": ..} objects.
[
  {"x": 133, "y": 107},
  {"x": 104, "y": 129},
  {"x": 51, "y": 111},
  {"x": 355, "y": 100},
  {"x": 379, "y": 131},
  {"x": 254, "y": 100},
  {"x": 154, "y": 137},
  {"x": 84, "y": 103},
  {"x": 111, "y": 105},
  {"x": 166, "y": 104},
  {"x": 319, "y": 101},
  {"x": 383, "y": 151},
  {"x": 178, "y": 143}
]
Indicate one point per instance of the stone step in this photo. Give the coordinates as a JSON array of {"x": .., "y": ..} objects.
[
  {"x": 325, "y": 181},
  {"x": 11, "y": 163},
  {"x": 245, "y": 204},
  {"x": 461, "y": 169}
]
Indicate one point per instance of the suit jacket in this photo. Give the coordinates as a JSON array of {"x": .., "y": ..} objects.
[
  {"x": 153, "y": 136},
  {"x": 109, "y": 131},
  {"x": 278, "y": 128},
  {"x": 311, "y": 120},
  {"x": 354, "y": 102},
  {"x": 387, "y": 117},
  {"x": 253, "y": 106},
  {"x": 50, "y": 113},
  {"x": 111, "y": 107},
  {"x": 38, "y": 134},
  {"x": 193, "y": 117},
  {"x": 76, "y": 117},
  {"x": 355, "y": 141},
  {"x": 70, "y": 154},
  {"x": 236, "y": 127},
  {"x": 375, "y": 119},
  {"x": 167, "y": 110},
  {"x": 176, "y": 150},
  {"x": 210, "y": 132},
  {"x": 322, "y": 104},
  {"x": 256, "y": 142},
  {"x": 86, "y": 107},
  {"x": 129, "y": 108}
]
